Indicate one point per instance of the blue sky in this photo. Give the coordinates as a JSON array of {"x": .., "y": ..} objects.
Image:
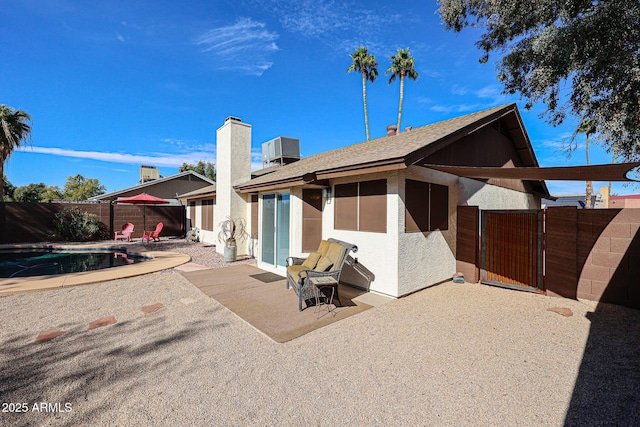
[{"x": 111, "y": 85}]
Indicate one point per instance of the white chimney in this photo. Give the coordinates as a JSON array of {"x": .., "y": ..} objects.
[{"x": 233, "y": 167}]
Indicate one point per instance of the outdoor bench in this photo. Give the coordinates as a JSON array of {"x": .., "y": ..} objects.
[{"x": 327, "y": 261}]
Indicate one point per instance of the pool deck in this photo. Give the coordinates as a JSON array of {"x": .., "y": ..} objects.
[{"x": 160, "y": 261}]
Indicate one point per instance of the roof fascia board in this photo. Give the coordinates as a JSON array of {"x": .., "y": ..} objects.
[
  {"x": 362, "y": 171},
  {"x": 150, "y": 183},
  {"x": 269, "y": 186},
  {"x": 199, "y": 196}
]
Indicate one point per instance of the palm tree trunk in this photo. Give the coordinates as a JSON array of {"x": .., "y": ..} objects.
[
  {"x": 364, "y": 98},
  {"x": 401, "y": 99},
  {"x": 589, "y": 189}
]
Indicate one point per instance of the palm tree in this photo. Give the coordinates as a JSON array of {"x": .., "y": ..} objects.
[
  {"x": 368, "y": 66},
  {"x": 588, "y": 127},
  {"x": 14, "y": 130},
  {"x": 402, "y": 65}
]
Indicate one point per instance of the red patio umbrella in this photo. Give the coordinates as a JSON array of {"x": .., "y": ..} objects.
[{"x": 142, "y": 199}]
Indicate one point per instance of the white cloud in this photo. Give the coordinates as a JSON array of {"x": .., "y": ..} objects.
[
  {"x": 459, "y": 90},
  {"x": 120, "y": 38},
  {"x": 341, "y": 25},
  {"x": 460, "y": 108},
  {"x": 246, "y": 46},
  {"x": 493, "y": 93},
  {"x": 160, "y": 159}
]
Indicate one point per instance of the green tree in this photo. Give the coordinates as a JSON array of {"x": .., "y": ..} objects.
[
  {"x": 14, "y": 130},
  {"x": 30, "y": 192},
  {"x": 366, "y": 65},
  {"x": 578, "y": 57},
  {"x": 402, "y": 65},
  {"x": 80, "y": 188},
  {"x": 52, "y": 193},
  {"x": 8, "y": 189},
  {"x": 203, "y": 168}
]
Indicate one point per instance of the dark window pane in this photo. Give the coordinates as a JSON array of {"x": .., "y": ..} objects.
[
  {"x": 346, "y": 206},
  {"x": 416, "y": 206},
  {"x": 439, "y": 207},
  {"x": 311, "y": 219},
  {"x": 373, "y": 206}
]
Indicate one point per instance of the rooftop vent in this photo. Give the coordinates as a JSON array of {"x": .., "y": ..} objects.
[{"x": 392, "y": 130}]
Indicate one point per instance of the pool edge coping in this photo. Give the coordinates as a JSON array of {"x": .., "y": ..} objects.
[{"x": 161, "y": 260}]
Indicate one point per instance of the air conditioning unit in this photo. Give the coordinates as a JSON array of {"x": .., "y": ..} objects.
[
  {"x": 148, "y": 173},
  {"x": 281, "y": 151}
]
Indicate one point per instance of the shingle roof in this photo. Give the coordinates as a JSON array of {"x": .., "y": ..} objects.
[
  {"x": 383, "y": 151},
  {"x": 204, "y": 191},
  {"x": 114, "y": 194}
]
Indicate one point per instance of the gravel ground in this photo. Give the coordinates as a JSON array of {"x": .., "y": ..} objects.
[{"x": 454, "y": 354}]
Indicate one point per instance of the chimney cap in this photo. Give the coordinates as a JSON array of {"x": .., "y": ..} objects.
[
  {"x": 233, "y": 119},
  {"x": 392, "y": 130}
]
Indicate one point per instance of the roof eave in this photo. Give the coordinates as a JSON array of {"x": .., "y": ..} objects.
[{"x": 380, "y": 166}]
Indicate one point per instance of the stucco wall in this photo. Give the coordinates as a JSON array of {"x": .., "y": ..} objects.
[
  {"x": 377, "y": 252},
  {"x": 233, "y": 156},
  {"x": 426, "y": 258},
  {"x": 399, "y": 262},
  {"x": 476, "y": 193}
]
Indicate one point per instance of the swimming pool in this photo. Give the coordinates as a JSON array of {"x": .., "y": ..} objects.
[{"x": 47, "y": 262}]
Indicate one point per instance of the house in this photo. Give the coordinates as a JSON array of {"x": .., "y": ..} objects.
[
  {"x": 165, "y": 188},
  {"x": 598, "y": 201},
  {"x": 626, "y": 201},
  {"x": 384, "y": 195}
]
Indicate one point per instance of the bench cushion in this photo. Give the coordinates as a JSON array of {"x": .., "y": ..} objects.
[
  {"x": 331, "y": 261},
  {"x": 324, "y": 247},
  {"x": 312, "y": 260},
  {"x": 293, "y": 271}
]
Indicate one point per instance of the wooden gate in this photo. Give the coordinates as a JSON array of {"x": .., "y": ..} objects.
[{"x": 511, "y": 250}]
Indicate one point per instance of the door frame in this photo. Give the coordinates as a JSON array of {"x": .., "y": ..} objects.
[{"x": 267, "y": 265}]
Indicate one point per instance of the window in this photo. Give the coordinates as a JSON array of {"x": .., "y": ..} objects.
[
  {"x": 311, "y": 219},
  {"x": 426, "y": 206},
  {"x": 361, "y": 206},
  {"x": 207, "y": 215}
]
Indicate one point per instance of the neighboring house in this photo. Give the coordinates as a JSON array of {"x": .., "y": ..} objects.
[
  {"x": 166, "y": 188},
  {"x": 628, "y": 201},
  {"x": 598, "y": 201},
  {"x": 381, "y": 195}
]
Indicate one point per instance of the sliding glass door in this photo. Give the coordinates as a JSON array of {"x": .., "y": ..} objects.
[{"x": 275, "y": 229}]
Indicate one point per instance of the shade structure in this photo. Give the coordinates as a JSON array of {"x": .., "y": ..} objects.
[{"x": 142, "y": 199}]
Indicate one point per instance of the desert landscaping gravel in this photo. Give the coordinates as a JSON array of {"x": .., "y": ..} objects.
[{"x": 453, "y": 354}]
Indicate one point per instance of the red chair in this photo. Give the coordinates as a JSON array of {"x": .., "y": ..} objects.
[
  {"x": 155, "y": 234},
  {"x": 127, "y": 231}
]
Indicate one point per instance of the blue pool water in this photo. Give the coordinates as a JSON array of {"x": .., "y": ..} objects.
[{"x": 55, "y": 261}]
